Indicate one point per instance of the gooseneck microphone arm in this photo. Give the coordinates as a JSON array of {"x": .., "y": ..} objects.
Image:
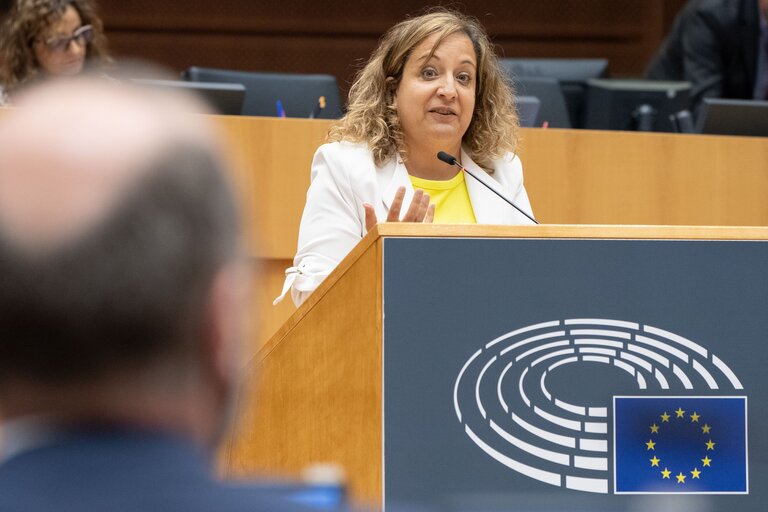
[{"x": 451, "y": 160}]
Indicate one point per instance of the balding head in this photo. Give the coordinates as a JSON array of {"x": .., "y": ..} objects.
[
  {"x": 72, "y": 150},
  {"x": 115, "y": 223}
]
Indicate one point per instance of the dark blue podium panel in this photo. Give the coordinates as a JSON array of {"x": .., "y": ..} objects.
[{"x": 575, "y": 374}]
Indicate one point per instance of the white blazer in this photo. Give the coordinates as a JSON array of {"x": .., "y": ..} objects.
[{"x": 344, "y": 176}]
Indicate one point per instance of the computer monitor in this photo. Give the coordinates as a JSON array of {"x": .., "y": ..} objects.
[
  {"x": 572, "y": 74},
  {"x": 733, "y": 117},
  {"x": 641, "y": 105},
  {"x": 223, "y": 98}
]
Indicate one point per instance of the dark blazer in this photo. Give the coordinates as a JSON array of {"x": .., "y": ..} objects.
[
  {"x": 118, "y": 471},
  {"x": 713, "y": 45}
]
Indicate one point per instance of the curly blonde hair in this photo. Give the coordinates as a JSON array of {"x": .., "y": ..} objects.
[
  {"x": 372, "y": 118},
  {"x": 28, "y": 21}
]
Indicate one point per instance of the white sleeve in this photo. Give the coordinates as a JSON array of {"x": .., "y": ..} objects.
[{"x": 331, "y": 225}]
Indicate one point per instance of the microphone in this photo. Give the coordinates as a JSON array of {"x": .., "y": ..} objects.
[{"x": 451, "y": 160}]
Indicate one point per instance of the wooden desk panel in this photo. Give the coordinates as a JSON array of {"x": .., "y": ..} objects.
[
  {"x": 572, "y": 177},
  {"x": 272, "y": 158},
  {"x": 600, "y": 177}
]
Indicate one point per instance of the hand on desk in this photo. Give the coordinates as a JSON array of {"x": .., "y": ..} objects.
[{"x": 419, "y": 211}]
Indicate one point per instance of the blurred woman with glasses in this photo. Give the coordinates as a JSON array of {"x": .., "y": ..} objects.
[{"x": 49, "y": 38}]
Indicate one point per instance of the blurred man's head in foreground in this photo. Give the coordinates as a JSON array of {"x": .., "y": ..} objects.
[{"x": 120, "y": 259}]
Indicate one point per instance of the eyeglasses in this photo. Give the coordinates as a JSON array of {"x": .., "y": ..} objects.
[{"x": 81, "y": 36}]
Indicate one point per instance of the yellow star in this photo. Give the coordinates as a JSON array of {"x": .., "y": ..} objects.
[
  {"x": 654, "y": 429},
  {"x": 680, "y": 412},
  {"x": 695, "y": 473},
  {"x": 710, "y": 445},
  {"x": 681, "y": 478},
  {"x": 695, "y": 417},
  {"x": 651, "y": 445},
  {"x": 665, "y": 473},
  {"x": 665, "y": 417},
  {"x": 706, "y": 428},
  {"x": 655, "y": 461},
  {"x": 706, "y": 460}
]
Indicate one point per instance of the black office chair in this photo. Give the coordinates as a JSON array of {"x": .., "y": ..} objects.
[
  {"x": 571, "y": 74},
  {"x": 528, "y": 110},
  {"x": 270, "y": 94},
  {"x": 553, "y": 109}
]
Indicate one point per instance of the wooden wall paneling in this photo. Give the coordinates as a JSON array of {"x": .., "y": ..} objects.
[
  {"x": 671, "y": 9},
  {"x": 546, "y": 17},
  {"x": 251, "y": 52},
  {"x": 335, "y": 37}
]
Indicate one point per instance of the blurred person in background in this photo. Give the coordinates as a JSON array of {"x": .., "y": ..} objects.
[
  {"x": 721, "y": 47},
  {"x": 49, "y": 38}
]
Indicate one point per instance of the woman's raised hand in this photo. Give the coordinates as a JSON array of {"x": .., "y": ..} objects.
[{"x": 419, "y": 211}]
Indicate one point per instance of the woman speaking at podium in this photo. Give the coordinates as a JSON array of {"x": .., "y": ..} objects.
[{"x": 433, "y": 84}]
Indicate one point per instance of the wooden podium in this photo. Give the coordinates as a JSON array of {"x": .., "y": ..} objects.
[{"x": 317, "y": 391}]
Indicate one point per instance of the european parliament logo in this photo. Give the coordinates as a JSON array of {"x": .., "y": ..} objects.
[
  {"x": 665, "y": 445},
  {"x": 663, "y": 418}
]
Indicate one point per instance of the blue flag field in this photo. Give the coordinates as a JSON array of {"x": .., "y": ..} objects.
[{"x": 671, "y": 445}]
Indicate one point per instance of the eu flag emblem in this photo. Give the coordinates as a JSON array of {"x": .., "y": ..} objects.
[{"x": 694, "y": 445}]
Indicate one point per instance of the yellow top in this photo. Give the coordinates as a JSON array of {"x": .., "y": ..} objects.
[{"x": 451, "y": 199}]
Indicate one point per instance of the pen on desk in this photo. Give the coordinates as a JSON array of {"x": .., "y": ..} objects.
[
  {"x": 318, "y": 108},
  {"x": 280, "y": 109}
]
